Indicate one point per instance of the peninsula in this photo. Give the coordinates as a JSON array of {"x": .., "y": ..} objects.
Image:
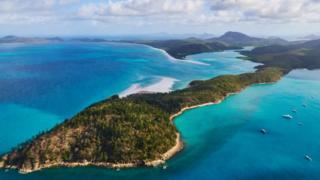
[{"x": 126, "y": 132}]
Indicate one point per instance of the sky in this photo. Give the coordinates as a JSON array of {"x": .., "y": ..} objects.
[{"x": 125, "y": 17}]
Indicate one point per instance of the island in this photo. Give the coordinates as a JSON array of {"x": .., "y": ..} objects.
[
  {"x": 16, "y": 39},
  {"x": 137, "y": 130}
]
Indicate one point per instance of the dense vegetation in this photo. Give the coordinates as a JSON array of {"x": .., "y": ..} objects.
[
  {"x": 303, "y": 55},
  {"x": 134, "y": 129}
]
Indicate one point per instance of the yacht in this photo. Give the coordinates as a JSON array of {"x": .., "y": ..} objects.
[
  {"x": 263, "y": 131},
  {"x": 287, "y": 116},
  {"x": 308, "y": 158}
]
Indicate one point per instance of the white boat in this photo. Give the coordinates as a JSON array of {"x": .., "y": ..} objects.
[
  {"x": 308, "y": 158},
  {"x": 164, "y": 167},
  {"x": 287, "y": 116},
  {"x": 294, "y": 111},
  {"x": 263, "y": 131}
]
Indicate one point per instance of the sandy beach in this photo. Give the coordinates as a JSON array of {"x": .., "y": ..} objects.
[
  {"x": 179, "y": 60},
  {"x": 164, "y": 85}
]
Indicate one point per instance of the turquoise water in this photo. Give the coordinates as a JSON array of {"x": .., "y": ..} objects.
[
  {"x": 224, "y": 141},
  {"x": 43, "y": 84}
]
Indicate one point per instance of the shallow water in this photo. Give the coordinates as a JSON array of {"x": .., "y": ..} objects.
[{"x": 43, "y": 84}]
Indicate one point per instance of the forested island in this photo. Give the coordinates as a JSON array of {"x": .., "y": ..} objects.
[{"x": 137, "y": 130}]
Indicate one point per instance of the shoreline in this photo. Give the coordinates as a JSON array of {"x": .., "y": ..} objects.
[
  {"x": 150, "y": 163},
  {"x": 204, "y": 104},
  {"x": 171, "y": 58}
]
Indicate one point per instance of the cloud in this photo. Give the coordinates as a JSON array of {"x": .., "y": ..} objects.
[
  {"x": 269, "y": 10},
  {"x": 31, "y": 11},
  {"x": 174, "y": 12},
  {"x": 140, "y": 8},
  {"x": 204, "y": 11}
]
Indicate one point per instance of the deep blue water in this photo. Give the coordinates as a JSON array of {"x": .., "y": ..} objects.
[{"x": 41, "y": 85}]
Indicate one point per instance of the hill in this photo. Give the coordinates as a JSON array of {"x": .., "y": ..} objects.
[{"x": 240, "y": 39}]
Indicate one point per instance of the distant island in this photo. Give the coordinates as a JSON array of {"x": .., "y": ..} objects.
[
  {"x": 16, "y": 39},
  {"x": 137, "y": 130}
]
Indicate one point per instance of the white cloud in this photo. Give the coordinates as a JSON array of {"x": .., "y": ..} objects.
[
  {"x": 270, "y": 10},
  {"x": 141, "y": 8},
  {"x": 204, "y": 11},
  {"x": 140, "y": 12},
  {"x": 31, "y": 11}
]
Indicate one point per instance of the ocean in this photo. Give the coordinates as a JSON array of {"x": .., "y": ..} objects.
[{"x": 43, "y": 84}]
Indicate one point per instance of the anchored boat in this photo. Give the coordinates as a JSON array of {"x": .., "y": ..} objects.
[{"x": 287, "y": 116}]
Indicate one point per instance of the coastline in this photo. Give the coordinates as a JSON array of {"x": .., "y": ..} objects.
[
  {"x": 204, "y": 104},
  {"x": 171, "y": 58},
  {"x": 151, "y": 163}
]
